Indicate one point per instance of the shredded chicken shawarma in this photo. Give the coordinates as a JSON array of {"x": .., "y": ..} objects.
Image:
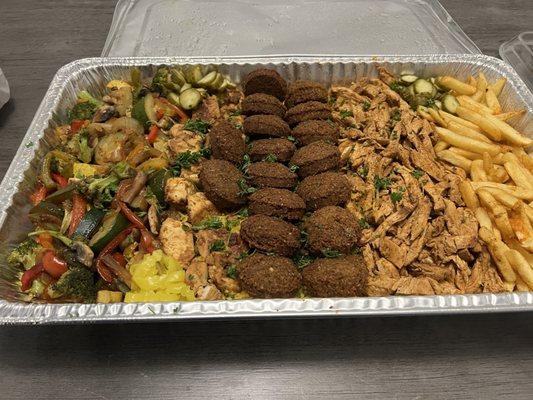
[{"x": 418, "y": 236}]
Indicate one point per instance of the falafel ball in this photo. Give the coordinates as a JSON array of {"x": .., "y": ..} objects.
[
  {"x": 270, "y": 235},
  {"x": 220, "y": 182},
  {"x": 332, "y": 228},
  {"x": 266, "y": 126},
  {"x": 336, "y": 277},
  {"x": 226, "y": 142},
  {"x": 307, "y": 111},
  {"x": 326, "y": 189},
  {"x": 281, "y": 203},
  {"x": 303, "y": 91},
  {"x": 271, "y": 174},
  {"x": 311, "y": 131},
  {"x": 282, "y": 149},
  {"x": 315, "y": 158},
  {"x": 268, "y": 276},
  {"x": 261, "y": 103},
  {"x": 265, "y": 81}
]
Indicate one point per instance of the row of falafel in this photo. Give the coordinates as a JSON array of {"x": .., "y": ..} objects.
[{"x": 297, "y": 196}]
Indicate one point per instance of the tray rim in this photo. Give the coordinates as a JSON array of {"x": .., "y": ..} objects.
[{"x": 39, "y": 313}]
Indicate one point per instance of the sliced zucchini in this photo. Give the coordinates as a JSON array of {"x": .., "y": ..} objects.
[
  {"x": 193, "y": 74},
  {"x": 174, "y": 98},
  {"x": 190, "y": 99},
  {"x": 185, "y": 87},
  {"x": 157, "y": 182},
  {"x": 207, "y": 80},
  {"x": 409, "y": 78},
  {"x": 450, "y": 103},
  {"x": 421, "y": 86},
  {"x": 89, "y": 223},
  {"x": 144, "y": 110},
  {"x": 113, "y": 223}
]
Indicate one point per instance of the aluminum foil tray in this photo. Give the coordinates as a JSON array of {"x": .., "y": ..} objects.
[{"x": 91, "y": 74}]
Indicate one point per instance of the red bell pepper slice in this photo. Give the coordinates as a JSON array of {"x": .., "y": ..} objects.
[
  {"x": 30, "y": 275},
  {"x": 79, "y": 207},
  {"x": 38, "y": 195},
  {"x": 76, "y": 125},
  {"x": 53, "y": 265},
  {"x": 59, "y": 179},
  {"x": 131, "y": 216},
  {"x": 102, "y": 269},
  {"x": 152, "y": 135}
]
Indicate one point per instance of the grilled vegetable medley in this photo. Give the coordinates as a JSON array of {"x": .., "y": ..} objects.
[{"x": 182, "y": 186}]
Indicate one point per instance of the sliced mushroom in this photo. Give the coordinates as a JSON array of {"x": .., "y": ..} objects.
[
  {"x": 104, "y": 113},
  {"x": 153, "y": 219},
  {"x": 84, "y": 254}
]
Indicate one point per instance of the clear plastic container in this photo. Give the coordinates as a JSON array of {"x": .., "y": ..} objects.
[
  {"x": 519, "y": 53},
  {"x": 274, "y": 27}
]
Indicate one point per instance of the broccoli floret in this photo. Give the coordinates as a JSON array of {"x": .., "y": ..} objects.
[
  {"x": 76, "y": 284},
  {"x": 81, "y": 111},
  {"x": 79, "y": 146},
  {"x": 24, "y": 254},
  {"x": 86, "y": 97},
  {"x": 123, "y": 170},
  {"x": 100, "y": 190}
]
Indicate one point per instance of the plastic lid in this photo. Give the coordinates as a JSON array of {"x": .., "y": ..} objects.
[
  {"x": 275, "y": 27},
  {"x": 519, "y": 53}
]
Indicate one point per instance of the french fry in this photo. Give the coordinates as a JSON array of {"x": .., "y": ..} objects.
[
  {"x": 436, "y": 117},
  {"x": 521, "y": 193},
  {"x": 497, "y": 86},
  {"x": 466, "y": 131},
  {"x": 508, "y": 132},
  {"x": 508, "y": 200},
  {"x": 469, "y": 195},
  {"x": 465, "y": 153},
  {"x": 450, "y": 82},
  {"x": 481, "y": 87},
  {"x": 473, "y": 105},
  {"x": 500, "y": 174},
  {"x": 450, "y": 117},
  {"x": 510, "y": 114},
  {"x": 498, "y": 251},
  {"x": 488, "y": 166},
  {"x": 521, "y": 286},
  {"x": 440, "y": 145},
  {"x": 483, "y": 218},
  {"x": 455, "y": 159},
  {"x": 522, "y": 227},
  {"x": 467, "y": 143},
  {"x": 515, "y": 245},
  {"x": 425, "y": 115},
  {"x": 477, "y": 173},
  {"x": 525, "y": 159},
  {"x": 529, "y": 212},
  {"x": 471, "y": 81},
  {"x": 499, "y": 213},
  {"x": 521, "y": 266},
  {"x": 517, "y": 175},
  {"x": 492, "y": 101},
  {"x": 486, "y": 125}
]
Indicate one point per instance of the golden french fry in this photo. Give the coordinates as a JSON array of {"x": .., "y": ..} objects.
[
  {"x": 521, "y": 266},
  {"x": 473, "y": 105},
  {"x": 492, "y": 101},
  {"x": 483, "y": 218},
  {"x": 469, "y": 195},
  {"x": 515, "y": 245},
  {"x": 485, "y": 124},
  {"x": 465, "y": 153},
  {"x": 525, "y": 159},
  {"x": 450, "y": 117},
  {"x": 498, "y": 251},
  {"x": 466, "y": 131},
  {"x": 499, "y": 213},
  {"x": 497, "y": 86},
  {"x": 467, "y": 143},
  {"x": 477, "y": 173},
  {"x": 529, "y": 212},
  {"x": 436, "y": 117},
  {"x": 471, "y": 81},
  {"x": 508, "y": 132},
  {"x": 508, "y": 200},
  {"x": 455, "y": 159},
  {"x": 450, "y": 82},
  {"x": 500, "y": 174},
  {"x": 521, "y": 285},
  {"x": 425, "y": 115},
  {"x": 517, "y": 175},
  {"x": 440, "y": 145},
  {"x": 510, "y": 114},
  {"x": 481, "y": 87},
  {"x": 521, "y": 193},
  {"x": 488, "y": 166},
  {"x": 522, "y": 226}
]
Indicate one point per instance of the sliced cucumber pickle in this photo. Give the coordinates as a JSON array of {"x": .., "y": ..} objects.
[
  {"x": 174, "y": 98},
  {"x": 193, "y": 74},
  {"x": 409, "y": 78},
  {"x": 207, "y": 80},
  {"x": 185, "y": 87},
  {"x": 422, "y": 86},
  {"x": 450, "y": 103},
  {"x": 190, "y": 99}
]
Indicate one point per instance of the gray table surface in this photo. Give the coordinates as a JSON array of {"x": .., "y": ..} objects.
[{"x": 442, "y": 357}]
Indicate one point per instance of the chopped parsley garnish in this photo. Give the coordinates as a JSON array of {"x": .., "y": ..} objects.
[
  {"x": 292, "y": 139},
  {"x": 303, "y": 237},
  {"x": 397, "y": 196},
  {"x": 235, "y": 113},
  {"x": 187, "y": 159},
  {"x": 366, "y": 105},
  {"x": 231, "y": 223},
  {"x": 245, "y": 163},
  {"x": 244, "y": 254},
  {"x": 231, "y": 272},
  {"x": 217, "y": 245},
  {"x": 238, "y": 126},
  {"x": 270, "y": 158},
  {"x": 209, "y": 223},
  {"x": 430, "y": 102},
  {"x": 244, "y": 189},
  {"x": 396, "y": 86},
  {"x": 303, "y": 260},
  {"x": 362, "y": 171},
  {"x": 393, "y": 136},
  {"x": 363, "y": 223},
  {"x": 330, "y": 253},
  {"x": 345, "y": 113},
  {"x": 396, "y": 115},
  {"x": 381, "y": 183},
  {"x": 417, "y": 173},
  {"x": 197, "y": 125},
  {"x": 294, "y": 168},
  {"x": 243, "y": 213}
]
